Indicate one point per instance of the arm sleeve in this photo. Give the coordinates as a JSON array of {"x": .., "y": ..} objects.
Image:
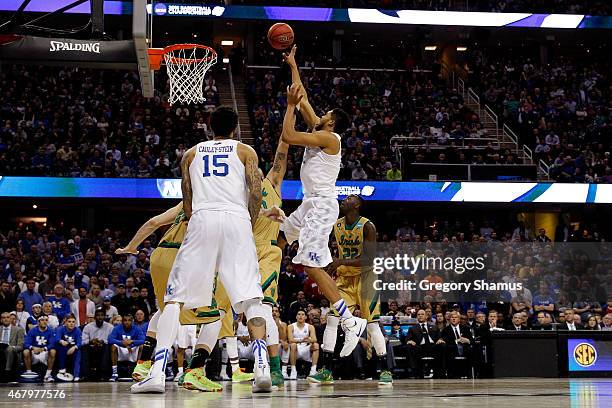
[
  {"x": 78, "y": 337},
  {"x": 139, "y": 337},
  {"x": 85, "y": 338},
  {"x": 113, "y": 338},
  {"x": 27, "y": 343}
]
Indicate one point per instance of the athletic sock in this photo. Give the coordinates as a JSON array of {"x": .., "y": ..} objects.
[
  {"x": 327, "y": 361},
  {"x": 48, "y": 373},
  {"x": 382, "y": 363},
  {"x": 180, "y": 371},
  {"x": 260, "y": 351},
  {"x": 275, "y": 363},
  {"x": 342, "y": 309},
  {"x": 147, "y": 349},
  {"x": 167, "y": 328},
  {"x": 198, "y": 360},
  {"x": 293, "y": 369},
  {"x": 114, "y": 369},
  {"x": 231, "y": 346}
]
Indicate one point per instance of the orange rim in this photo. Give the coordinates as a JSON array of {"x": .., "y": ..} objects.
[{"x": 156, "y": 55}]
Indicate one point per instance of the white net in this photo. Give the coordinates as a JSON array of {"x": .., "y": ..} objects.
[{"x": 187, "y": 66}]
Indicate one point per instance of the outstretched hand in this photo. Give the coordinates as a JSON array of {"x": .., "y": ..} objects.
[
  {"x": 274, "y": 214},
  {"x": 126, "y": 251},
  {"x": 289, "y": 57},
  {"x": 295, "y": 94}
]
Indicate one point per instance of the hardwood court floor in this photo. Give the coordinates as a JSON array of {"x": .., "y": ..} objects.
[{"x": 498, "y": 393}]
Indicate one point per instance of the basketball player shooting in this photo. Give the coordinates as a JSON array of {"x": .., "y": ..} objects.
[{"x": 313, "y": 221}]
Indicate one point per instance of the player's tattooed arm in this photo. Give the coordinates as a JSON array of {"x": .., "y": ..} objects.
[
  {"x": 150, "y": 227},
  {"x": 279, "y": 167},
  {"x": 186, "y": 181},
  {"x": 253, "y": 180}
]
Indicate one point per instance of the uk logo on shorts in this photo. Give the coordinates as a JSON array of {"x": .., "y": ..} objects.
[
  {"x": 169, "y": 290},
  {"x": 313, "y": 256}
]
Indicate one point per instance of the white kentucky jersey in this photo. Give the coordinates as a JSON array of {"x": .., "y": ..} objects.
[
  {"x": 300, "y": 334},
  {"x": 319, "y": 172},
  {"x": 218, "y": 178}
]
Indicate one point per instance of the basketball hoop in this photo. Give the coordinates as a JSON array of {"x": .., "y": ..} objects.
[{"x": 186, "y": 65}]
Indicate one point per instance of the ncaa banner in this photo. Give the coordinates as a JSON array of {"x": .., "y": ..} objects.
[{"x": 469, "y": 192}]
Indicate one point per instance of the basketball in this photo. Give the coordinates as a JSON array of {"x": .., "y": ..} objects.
[{"x": 280, "y": 36}]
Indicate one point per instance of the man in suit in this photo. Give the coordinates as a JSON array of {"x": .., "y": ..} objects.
[
  {"x": 606, "y": 322},
  {"x": 11, "y": 345},
  {"x": 517, "y": 323},
  {"x": 458, "y": 340},
  {"x": 569, "y": 323},
  {"x": 424, "y": 341},
  {"x": 544, "y": 321}
]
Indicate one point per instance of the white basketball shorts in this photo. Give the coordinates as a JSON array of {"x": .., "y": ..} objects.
[
  {"x": 215, "y": 241},
  {"x": 310, "y": 224}
]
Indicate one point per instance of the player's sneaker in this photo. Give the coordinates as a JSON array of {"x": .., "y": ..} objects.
[
  {"x": 353, "y": 329},
  {"x": 323, "y": 376},
  {"x": 169, "y": 373},
  {"x": 141, "y": 370},
  {"x": 224, "y": 376},
  {"x": 239, "y": 376},
  {"x": 262, "y": 381},
  {"x": 277, "y": 379},
  {"x": 29, "y": 374},
  {"x": 293, "y": 375},
  {"x": 49, "y": 379},
  {"x": 76, "y": 379},
  {"x": 178, "y": 376},
  {"x": 64, "y": 376},
  {"x": 181, "y": 378},
  {"x": 196, "y": 380},
  {"x": 150, "y": 384},
  {"x": 386, "y": 378},
  {"x": 114, "y": 377}
]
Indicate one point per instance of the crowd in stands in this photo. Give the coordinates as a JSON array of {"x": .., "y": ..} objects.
[
  {"x": 68, "y": 302},
  {"x": 78, "y": 122},
  {"x": 387, "y": 109},
  {"x": 593, "y": 7},
  {"x": 561, "y": 110}
]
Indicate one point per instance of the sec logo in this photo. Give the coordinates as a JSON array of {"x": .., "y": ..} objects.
[{"x": 585, "y": 354}]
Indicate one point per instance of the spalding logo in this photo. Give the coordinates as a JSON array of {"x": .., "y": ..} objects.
[
  {"x": 55, "y": 46},
  {"x": 585, "y": 354}
]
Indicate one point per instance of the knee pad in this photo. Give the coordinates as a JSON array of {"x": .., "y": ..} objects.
[
  {"x": 253, "y": 308},
  {"x": 331, "y": 333},
  {"x": 378, "y": 340},
  {"x": 272, "y": 336},
  {"x": 209, "y": 334},
  {"x": 153, "y": 322}
]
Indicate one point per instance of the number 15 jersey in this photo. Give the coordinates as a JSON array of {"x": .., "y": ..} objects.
[{"x": 218, "y": 178}]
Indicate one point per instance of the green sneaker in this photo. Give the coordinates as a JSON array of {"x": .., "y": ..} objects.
[
  {"x": 323, "y": 376},
  {"x": 141, "y": 370},
  {"x": 277, "y": 379},
  {"x": 181, "y": 379},
  {"x": 386, "y": 378},
  {"x": 238, "y": 376},
  {"x": 196, "y": 380}
]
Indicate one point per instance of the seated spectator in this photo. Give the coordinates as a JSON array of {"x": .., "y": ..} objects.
[
  {"x": 458, "y": 341},
  {"x": 126, "y": 341},
  {"x": 47, "y": 309},
  {"x": 517, "y": 323},
  {"x": 606, "y": 322},
  {"x": 7, "y": 297},
  {"x": 424, "y": 340},
  {"x": 11, "y": 346},
  {"x": 570, "y": 322},
  {"x": 21, "y": 315},
  {"x": 394, "y": 174},
  {"x": 544, "y": 321},
  {"x": 61, "y": 305},
  {"x": 30, "y": 297},
  {"x": 140, "y": 321},
  {"x": 82, "y": 308},
  {"x": 33, "y": 319},
  {"x": 109, "y": 310},
  {"x": 95, "y": 347},
  {"x": 303, "y": 344},
  {"x": 68, "y": 346},
  {"x": 121, "y": 300},
  {"x": 39, "y": 347},
  {"x": 591, "y": 323}
]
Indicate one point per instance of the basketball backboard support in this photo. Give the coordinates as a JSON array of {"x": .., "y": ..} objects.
[{"x": 142, "y": 33}]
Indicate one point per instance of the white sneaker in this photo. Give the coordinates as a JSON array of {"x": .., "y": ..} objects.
[
  {"x": 62, "y": 375},
  {"x": 262, "y": 381},
  {"x": 293, "y": 375},
  {"x": 353, "y": 329},
  {"x": 29, "y": 374},
  {"x": 76, "y": 379},
  {"x": 224, "y": 376},
  {"x": 49, "y": 379},
  {"x": 285, "y": 374},
  {"x": 178, "y": 376},
  {"x": 150, "y": 384}
]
